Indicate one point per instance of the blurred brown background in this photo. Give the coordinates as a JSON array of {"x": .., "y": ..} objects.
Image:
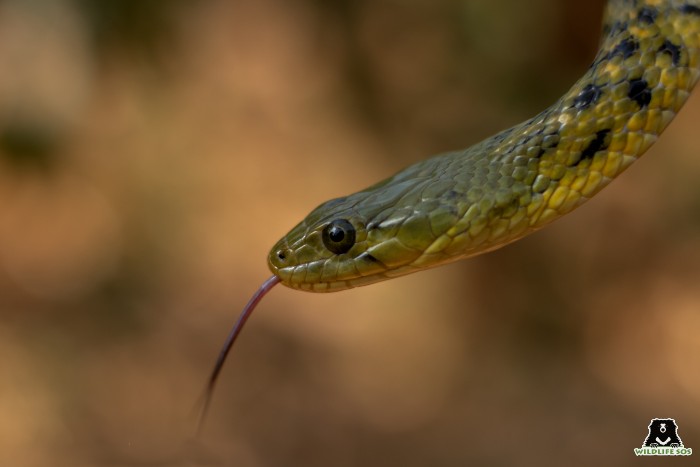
[{"x": 152, "y": 152}]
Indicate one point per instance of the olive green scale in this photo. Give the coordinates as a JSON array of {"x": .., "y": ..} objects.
[{"x": 468, "y": 202}]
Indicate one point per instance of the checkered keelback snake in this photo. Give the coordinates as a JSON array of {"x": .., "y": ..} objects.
[
  {"x": 468, "y": 202},
  {"x": 472, "y": 201}
]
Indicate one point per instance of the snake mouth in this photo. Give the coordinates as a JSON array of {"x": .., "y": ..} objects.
[
  {"x": 310, "y": 277},
  {"x": 286, "y": 277},
  {"x": 295, "y": 277},
  {"x": 330, "y": 274}
]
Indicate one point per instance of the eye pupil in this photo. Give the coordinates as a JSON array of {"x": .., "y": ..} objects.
[
  {"x": 336, "y": 234},
  {"x": 339, "y": 236}
]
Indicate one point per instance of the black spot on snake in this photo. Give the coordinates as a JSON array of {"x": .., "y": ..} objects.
[
  {"x": 599, "y": 143},
  {"x": 451, "y": 195},
  {"x": 640, "y": 92},
  {"x": 673, "y": 50},
  {"x": 647, "y": 15},
  {"x": 587, "y": 97},
  {"x": 626, "y": 48},
  {"x": 690, "y": 10}
]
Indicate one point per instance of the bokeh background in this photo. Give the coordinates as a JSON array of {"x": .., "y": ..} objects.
[{"x": 151, "y": 152}]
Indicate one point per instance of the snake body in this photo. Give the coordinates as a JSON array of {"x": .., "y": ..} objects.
[{"x": 468, "y": 202}]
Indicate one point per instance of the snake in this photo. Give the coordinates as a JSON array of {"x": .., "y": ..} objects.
[{"x": 472, "y": 201}]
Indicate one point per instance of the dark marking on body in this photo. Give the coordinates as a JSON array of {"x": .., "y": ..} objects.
[
  {"x": 673, "y": 50},
  {"x": 689, "y": 10},
  {"x": 647, "y": 15},
  {"x": 615, "y": 28},
  {"x": 587, "y": 97},
  {"x": 639, "y": 92},
  {"x": 369, "y": 258},
  {"x": 500, "y": 137},
  {"x": 626, "y": 48},
  {"x": 618, "y": 27},
  {"x": 523, "y": 141},
  {"x": 451, "y": 194},
  {"x": 599, "y": 143}
]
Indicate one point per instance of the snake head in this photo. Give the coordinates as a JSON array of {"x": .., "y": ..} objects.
[
  {"x": 369, "y": 236},
  {"x": 366, "y": 237},
  {"x": 327, "y": 251},
  {"x": 422, "y": 217}
]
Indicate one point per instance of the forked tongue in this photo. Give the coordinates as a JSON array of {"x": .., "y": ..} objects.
[{"x": 230, "y": 340}]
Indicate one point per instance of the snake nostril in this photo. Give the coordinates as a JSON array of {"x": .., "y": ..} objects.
[{"x": 281, "y": 255}]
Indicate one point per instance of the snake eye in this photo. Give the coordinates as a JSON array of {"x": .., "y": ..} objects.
[{"x": 339, "y": 236}]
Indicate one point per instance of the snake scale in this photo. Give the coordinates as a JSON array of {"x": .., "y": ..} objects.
[{"x": 468, "y": 202}]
